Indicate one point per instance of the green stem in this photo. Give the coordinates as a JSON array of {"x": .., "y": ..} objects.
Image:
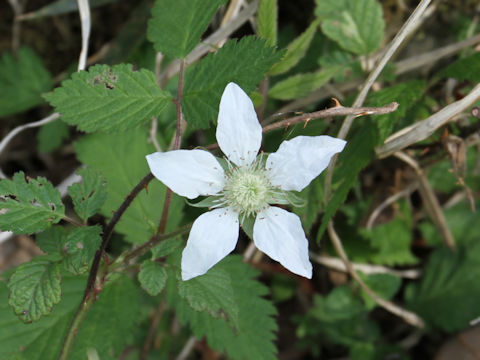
[{"x": 74, "y": 327}]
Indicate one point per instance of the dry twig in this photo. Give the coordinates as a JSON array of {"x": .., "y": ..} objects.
[
  {"x": 423, "y": 129},
  {"x": 430, "y": 200},
  {"x": 408, "y": 316},
  {"x": 339, "y": 265}
]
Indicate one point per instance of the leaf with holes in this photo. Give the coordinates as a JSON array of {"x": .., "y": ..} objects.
[
  {"x": 35, "y": 288},
  {"x": 152, "y": 277},
  {"x": 80, "y": 247},
  {"x": 109, "y": 98},
  {"x": 89, "y": 195},
  {"x": 31, "y": 204}
]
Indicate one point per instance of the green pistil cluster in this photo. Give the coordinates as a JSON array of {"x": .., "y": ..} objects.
[{"x": 248, "y": 190}]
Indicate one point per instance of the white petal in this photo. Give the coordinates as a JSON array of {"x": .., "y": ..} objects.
[
  {"x": 300, "y": 160},
  {"x": 279, "y": 234},
  {"x": 188, "y": 173},
  {"x": 213, "y": 236},
  {"x": 239, "y": 133}
]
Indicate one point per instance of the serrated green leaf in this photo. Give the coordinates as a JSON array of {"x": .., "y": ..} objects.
[
  {"x": 166, "y": 247},
  {"x": 406, "y": 94},
  {"x": 117, "y": 308},
  {"x": 42, "y": 339},
  {"x": 122, "y": 163},
  {"x": 152, "y": 277},
  {"x": 35, "y": 288},
  {"x": 109, "y": 98},
  {"x": 357, "y": 26},
  {"x": 89, "y": 195},
  {"x": 23, "y": 79},
  {"x": 267, "y": 21},
  {"x": 213, "y": 293},
  {"x": 464, "y": 69},
  {"x": 254, "y": 336},
  {"x": 51, "y": 136},
  {"x": 301, "y": 85},
  {"x": 80, "y": 247},
  {"x": 177, "y": 25},
  {"x": 357, "y": 154},
  {"x": 52, "y": 240},
  {"x": 450, "y": 282},
  {"x": 244, "y": 62},
  {"x": 296, "y": 50},
  {"x": 30, "y": 206},
  {"x": 384, "y": 285}
]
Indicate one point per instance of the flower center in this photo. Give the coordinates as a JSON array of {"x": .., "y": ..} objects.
[{"x": 247, "y": 189}]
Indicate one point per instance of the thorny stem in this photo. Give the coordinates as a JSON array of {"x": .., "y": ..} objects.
[
  {"x": 107, "y": 233},
  {"x": 337, "y": 110}
]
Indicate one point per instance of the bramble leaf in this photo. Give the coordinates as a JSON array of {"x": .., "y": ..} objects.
[
  {"x": 177, "y": 25},
  {"x": 117, "y": 308},
  {"x": 52, "y": 240},
  {"x": 152, "y": 277},
  {"x": 244, "y": 62},
  {"x": 213, "y": 293},
  {"x": 450, "y": 281},
  {"x": 89, "y": 195},
  {"x": 254, "y": 336},
  {"x": 31, "y": 204},
  {"x": 35, "y": 288},
  {"x": 357, "y": 26},
  {"x": 23, "y": 79},
  {"x": 80, "y": 247},
  {"x": 109, "y": 98}
]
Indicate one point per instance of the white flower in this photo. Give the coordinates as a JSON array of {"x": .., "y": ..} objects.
[{"x": 245, "y": 188}]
